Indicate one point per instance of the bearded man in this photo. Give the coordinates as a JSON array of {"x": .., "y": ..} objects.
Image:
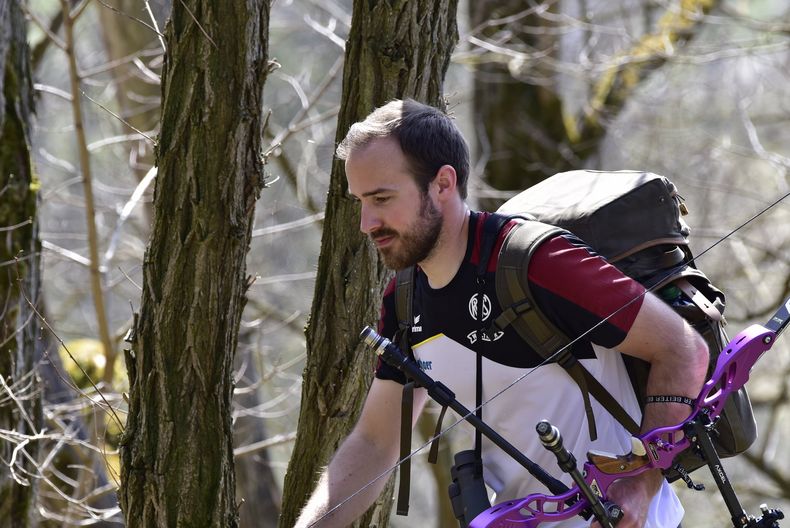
[{"x": 407, "y": 165}]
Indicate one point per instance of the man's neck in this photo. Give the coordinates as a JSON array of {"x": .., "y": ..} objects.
[{"x": 443, "y": 263}]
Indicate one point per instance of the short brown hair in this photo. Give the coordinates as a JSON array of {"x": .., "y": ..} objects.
[{"x": 427, "y": 136}]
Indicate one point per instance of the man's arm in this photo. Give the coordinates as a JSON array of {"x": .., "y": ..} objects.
[
  {"x": 370, "y": 449},
  {"x": 678, "y": 358}
]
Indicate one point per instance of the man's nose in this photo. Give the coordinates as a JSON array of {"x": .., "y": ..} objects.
[{"x": 368, "y": 220}]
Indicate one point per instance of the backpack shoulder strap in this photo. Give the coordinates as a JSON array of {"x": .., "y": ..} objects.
[
  {"x": 513, "y": 292},
  {"x": 521, "y": 312},
  {"x": 404, "y": 295}
]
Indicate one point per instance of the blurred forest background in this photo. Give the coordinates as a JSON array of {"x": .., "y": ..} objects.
[{"x": 696, "y": 91}]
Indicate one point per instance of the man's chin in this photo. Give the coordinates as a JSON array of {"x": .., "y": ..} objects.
[{"x": 392, "y": 262}]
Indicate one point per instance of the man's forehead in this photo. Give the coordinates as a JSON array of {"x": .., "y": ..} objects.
[{"x": 378, "y": 167}]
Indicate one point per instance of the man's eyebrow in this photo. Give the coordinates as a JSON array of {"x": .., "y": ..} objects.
[{"x": 380, "y": 190}]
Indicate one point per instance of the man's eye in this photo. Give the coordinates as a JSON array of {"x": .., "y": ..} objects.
[{"x": 381, "y": 199}]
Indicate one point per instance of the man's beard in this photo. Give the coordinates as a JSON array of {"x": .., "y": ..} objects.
[{"x": 418, "y": 242}]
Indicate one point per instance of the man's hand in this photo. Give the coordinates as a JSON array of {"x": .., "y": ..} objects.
[{"x": 633, "y": 495}]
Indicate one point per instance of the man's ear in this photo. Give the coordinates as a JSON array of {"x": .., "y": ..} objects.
[{"x": 446, "y": 181}]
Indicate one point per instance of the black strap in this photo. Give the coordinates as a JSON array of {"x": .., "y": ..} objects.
[
  {"x": 491, "y": 227},
  {"x": 403, "y": 310},
  {"x": 479, "y": 370},
  {"x": 433, "y": 455},
  {"x": 406, "y": 407}
]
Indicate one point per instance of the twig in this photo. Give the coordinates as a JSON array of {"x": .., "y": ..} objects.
[
  {"x": 287, "y": 226},
  {"x": 16, "y": 226},
  {"x": 43, "y": 27},
  {"x": 126, "y": 211},
  {"x": 90, "y": 208},
  {"x": 119, "y": 118},
  {"x": 63, "y": 344},
  {"x": 198, "y": 23},
  {"x": 156, "y": 26},
  {"x": 265, "y": 444},
  {"x": 142, "y": 22}
]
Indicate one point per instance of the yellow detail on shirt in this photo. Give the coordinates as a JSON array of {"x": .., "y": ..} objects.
[{"x": 424, "y": 341}]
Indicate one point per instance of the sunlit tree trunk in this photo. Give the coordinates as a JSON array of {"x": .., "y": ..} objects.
[
  {"x": 395, "y": 49},
  {"x": 177, "y": 454},
  {"x": 20, "y": 399}
]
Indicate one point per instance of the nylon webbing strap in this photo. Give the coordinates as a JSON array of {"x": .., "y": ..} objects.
[
  {"x": 406, "y": 406},
  {"x": 403, "y": 311},
  {"x": 491, "y": 227},
  {"x": 699, "y": 299},
  {"x": 577, "y": 372},
  {"x": 608, "y": 402},
  {"x": 403, "y": 300},
  {"x": 433, "y": 455}
]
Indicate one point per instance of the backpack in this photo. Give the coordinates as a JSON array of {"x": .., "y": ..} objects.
[{"x": 633, "y": 220}]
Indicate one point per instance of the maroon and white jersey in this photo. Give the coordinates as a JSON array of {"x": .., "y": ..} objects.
[{"x": 578, "y": 291}]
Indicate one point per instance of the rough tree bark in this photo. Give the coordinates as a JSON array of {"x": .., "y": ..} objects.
[
  {"x": 395, "y": 49},
  {"x": 176, "y": 454},
  {"x": 20, "y": 399}
]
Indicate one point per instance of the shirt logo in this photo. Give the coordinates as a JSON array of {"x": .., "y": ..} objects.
[
  {"x": 472, "y": 336},
  {"x": 473, "y": 307},
  {"x": 417, "y": 327},
  {"x": 424, "y": 365}
]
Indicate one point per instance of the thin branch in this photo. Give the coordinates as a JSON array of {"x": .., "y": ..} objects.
[
  {"x": 90, "y": 209},
  {"x": 310, "y": 101},
  {"x": 16, "y": 226},
  {"x": 43, "y": 27},
  {"x": 287, "y": 226},
  {"x": 119, "y": 118},
  {"x": 45, "y": 88},
  {"x": 103, "y": 68},
  {"x": 142, "y": 22},
  {"x": 126, "y": 211},
  {"x": 156, "y": 26},
  {"x": 66, "y": 349},
  {"x": 198, "y": 23},
  {"x": 264, "y": 444},
  {"x": 328, "y": 31}
]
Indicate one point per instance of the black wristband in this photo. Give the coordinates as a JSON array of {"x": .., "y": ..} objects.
[{"x": 669, "y": 399}]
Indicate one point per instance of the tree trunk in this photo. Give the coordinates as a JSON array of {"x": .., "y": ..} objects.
[
  {"x": 176, "y": 453},
  {"x": 395, "y": 49},
  {"x": 20, "y": 410}
]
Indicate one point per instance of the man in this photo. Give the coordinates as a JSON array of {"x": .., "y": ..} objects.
[{"x": 407, "y": 165}]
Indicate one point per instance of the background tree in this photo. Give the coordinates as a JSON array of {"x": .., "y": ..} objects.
[
  {"x": 394, "y": 50},
  {"x": 177, "y": 456},
  {"x": 20, "y": 279}
]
